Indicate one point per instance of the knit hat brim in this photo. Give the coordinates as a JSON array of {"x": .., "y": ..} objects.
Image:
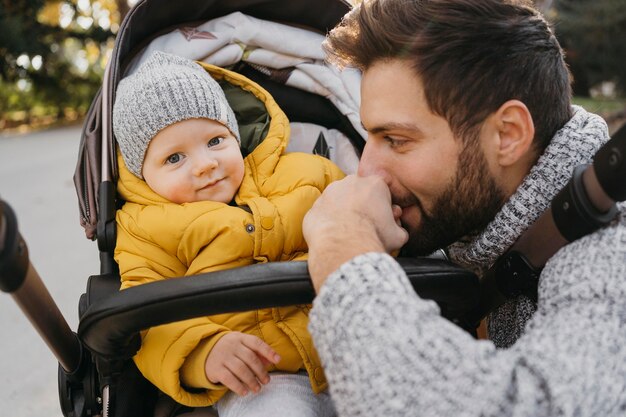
[{"x": 166, "y": 89}]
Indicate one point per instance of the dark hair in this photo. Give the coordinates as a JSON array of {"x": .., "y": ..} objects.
[{"x": 472, "y": 56}]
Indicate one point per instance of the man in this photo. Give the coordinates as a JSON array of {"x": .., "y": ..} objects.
[{"x": 470, "y": 135}]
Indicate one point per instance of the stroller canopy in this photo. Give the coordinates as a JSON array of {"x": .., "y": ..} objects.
[{"x": 144, "y": 22}]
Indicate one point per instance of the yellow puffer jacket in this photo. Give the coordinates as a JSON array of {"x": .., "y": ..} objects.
[{"x": 157, "y": 239}]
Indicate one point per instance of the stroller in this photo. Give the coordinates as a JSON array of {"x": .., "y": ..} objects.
[{"x": 96, "y": 374}]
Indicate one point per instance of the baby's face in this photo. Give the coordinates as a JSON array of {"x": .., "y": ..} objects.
[{"x": 194, "y": 160}]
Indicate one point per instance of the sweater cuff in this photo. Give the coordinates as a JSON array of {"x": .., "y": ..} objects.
[
  {"x": 363, "y": 273},
  {"x": 360, "y": 281},
  {"x": 192, "y": 373}
]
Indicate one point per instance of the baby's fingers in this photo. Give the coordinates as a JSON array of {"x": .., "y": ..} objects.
[
  {"x": 233, "y": 383},
  {"x": 265, "y": 362},
  {"x": 257, "y": 364},
  {"x": 262, "y": 349},
  {"x": 245, "y": 374}
]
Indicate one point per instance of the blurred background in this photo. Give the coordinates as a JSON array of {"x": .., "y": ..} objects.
[
  {"x": 53, "y": 57},
  {"x": 54, "y": 52}
]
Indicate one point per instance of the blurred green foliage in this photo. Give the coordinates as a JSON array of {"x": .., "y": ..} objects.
[
  {"x": 593, "y": 33},
  {"x": 601, "y": 105},
  {"x": 53, "y": 59}
]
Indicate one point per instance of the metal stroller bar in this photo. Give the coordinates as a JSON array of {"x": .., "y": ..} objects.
[
  {"x": 106, "y": 120},
  {"x": 106, "y": 193}
]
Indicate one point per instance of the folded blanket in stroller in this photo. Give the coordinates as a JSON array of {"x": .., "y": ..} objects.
[{"x": 286, "y": 54}]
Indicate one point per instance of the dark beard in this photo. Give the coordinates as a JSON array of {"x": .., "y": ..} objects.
[{"x": 465, "y": 207}]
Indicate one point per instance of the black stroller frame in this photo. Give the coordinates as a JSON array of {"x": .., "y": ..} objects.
[{"x": 96, "y": 373}]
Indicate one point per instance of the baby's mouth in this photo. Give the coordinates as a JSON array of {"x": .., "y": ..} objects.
[{"x": 210, "y": 184}]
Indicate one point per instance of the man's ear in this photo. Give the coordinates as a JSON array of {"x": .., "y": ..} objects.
[{"x": 516, "y": 131}]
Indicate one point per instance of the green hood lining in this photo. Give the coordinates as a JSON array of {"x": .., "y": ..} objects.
[{"x": 251, "y": 114}]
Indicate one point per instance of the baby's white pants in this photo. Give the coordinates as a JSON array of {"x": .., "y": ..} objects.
[{"x": 286, "y": 395}]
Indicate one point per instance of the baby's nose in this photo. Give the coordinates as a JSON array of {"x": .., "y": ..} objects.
[{"x": 205, "y": 165}]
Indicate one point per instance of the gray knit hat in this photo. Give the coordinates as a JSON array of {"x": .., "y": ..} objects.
[{"x": 164, "y": 90}]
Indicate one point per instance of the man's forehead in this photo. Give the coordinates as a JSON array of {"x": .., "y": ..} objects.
[
  {"x": 392, "y": 99},
  {"x": 387, "y": 83}
]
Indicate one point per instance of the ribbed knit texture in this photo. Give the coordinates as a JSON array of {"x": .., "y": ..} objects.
[
  {"x": 166, "y": 89},
  {"x": 575, "y": 144},
  {"x": 387, "y": 352}
]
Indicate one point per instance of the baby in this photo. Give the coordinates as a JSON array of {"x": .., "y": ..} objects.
[{"x": 194, "y": 204}]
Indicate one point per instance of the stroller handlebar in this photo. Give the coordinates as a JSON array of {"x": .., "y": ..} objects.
[
  {"x": 610, "y": 166},
  {"x": 13, "y": 251},
  {"x": 19, "y": 278},
  {"x": 110, "y": 327}
]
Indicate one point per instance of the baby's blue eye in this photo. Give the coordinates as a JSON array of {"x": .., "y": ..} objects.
[
  {"x": 174, "y": 158},
  {"x": 215, "y": 141}
]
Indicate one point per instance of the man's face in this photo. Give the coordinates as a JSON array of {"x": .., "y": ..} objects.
[
  {"x": 194, "y": 160},
  {"x": 443, "y": 184}
]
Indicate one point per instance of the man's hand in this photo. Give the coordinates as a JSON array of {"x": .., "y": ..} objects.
[
  {"x": 239, "y": 361},
  {"x": 353, "y": 216}
]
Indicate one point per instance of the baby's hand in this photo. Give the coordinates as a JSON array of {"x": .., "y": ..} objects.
[{"x": 239, "y": 362}]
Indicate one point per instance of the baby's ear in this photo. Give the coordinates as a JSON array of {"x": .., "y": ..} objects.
[{"x": 516, "y": 132}]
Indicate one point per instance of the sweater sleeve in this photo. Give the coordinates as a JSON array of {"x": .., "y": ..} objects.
[{"x": 388, "y": 352}]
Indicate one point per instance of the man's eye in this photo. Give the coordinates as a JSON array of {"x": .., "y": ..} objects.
[
  {"x": 215, "y": 141},
  {"x": 174, "y": 158},
  {"x": 394, "y": 143}
]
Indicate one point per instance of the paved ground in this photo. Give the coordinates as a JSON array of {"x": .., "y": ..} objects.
[{"x": 36, "y": 180}]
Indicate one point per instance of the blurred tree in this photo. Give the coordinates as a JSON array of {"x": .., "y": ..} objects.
[
  {"x": 53, "y": 54},
  {"x": 593, "y": 33},
  {"x": 122, "y": 8}
]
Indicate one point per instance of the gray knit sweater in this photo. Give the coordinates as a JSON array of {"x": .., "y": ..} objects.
[{"x": 387, "y": 352}]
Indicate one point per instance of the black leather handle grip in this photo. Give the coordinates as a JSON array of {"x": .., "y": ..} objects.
[
  {"x": 610, "y": 166},
  {"x": 13, "y": 251},
  {"x": 110, "y": 327}
]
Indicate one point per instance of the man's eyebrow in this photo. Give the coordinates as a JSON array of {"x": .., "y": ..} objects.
[{"x": 393, "y": 126}]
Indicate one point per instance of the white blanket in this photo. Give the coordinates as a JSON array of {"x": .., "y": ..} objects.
[{"x": 268, "y": 46}]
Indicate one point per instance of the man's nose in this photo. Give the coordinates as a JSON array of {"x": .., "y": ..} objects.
[
  {"x": 204, "y": 165},
  {"x": 372, "y": 162}
]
